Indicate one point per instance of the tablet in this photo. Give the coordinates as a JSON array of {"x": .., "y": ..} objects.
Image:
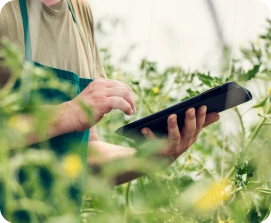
[{"x": 217, "y": 99}]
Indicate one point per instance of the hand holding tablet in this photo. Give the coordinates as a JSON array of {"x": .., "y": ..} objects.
[{"x": 217, "y": 99}]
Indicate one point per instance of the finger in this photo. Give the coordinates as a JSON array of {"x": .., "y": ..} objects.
[
  {"x": 117, "y": 103},
  {"x": 121, "y": 92},
  {"x": 211, "y": 118},
  {"x": 148, "y": 133},
  {"x": 201, "y": 116},
  {"x": 189, "y": 128},
  {"x": 112, "y": 84},
  {"x": 174, "y": 136}
]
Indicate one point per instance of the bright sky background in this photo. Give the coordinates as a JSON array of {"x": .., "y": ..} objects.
[{"x": 180, "y": 32}]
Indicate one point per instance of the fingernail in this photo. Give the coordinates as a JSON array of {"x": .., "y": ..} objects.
[
  {"x": 173, "y": 120},
  {"x": 144, "y": 131},
  {"x": 192, "y": 113},
  {"x": 131, "y": 112},
  {"x": 203, "y": 109}
]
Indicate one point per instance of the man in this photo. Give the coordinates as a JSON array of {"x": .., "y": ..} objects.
[{"x": 59, "y": 34}]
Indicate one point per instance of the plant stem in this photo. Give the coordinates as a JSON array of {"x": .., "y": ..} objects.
[
  {"x": 140, "y": 92},
  {"x": 127, "y": 195},
  {"x": 241, "y": 121},
  {"x": 235, "y": 191},
  {"x": 127, "y": 202},
  {"x": 223, "y": 148},
  {"x": 204, "y": 168},
  {"x": 230, "y": 172},
  {"x": 264, "y": 191},
  {"x": 256, "y": 130}
]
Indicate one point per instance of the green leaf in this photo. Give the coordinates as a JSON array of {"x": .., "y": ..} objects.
[
  {"x": 265, "y": 116},
  {"x": 257, "y": 215},
  {"x": 205, "y": 79},
  {"x": 262, "y": 103},
  {"x": 251, "y": 73},
  {"x": 191, "y": 93}
]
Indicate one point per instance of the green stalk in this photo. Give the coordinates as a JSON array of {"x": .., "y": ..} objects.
[
  {"x": 241, "y": 121},
  {"x": 256, "y": 131},
  {"x": 235, "y": 191},
  {"x": 127, "y": 195},
  {"x": 203, "y": 167},
  {"x": 223, "y": 149},
  {"x": 147, "y": 106},
  {"x": 127, "y": 202},
  {"x": 230, "y": 172},
  {"x": 264, "y": 191},
  {"x": 143, "y": 101}
]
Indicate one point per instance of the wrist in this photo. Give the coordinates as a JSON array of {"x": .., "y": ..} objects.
[
  {"x": 78, "y": 116},
  {"x": 62, "y": 121},
  {"x": 71, "y": 113}
]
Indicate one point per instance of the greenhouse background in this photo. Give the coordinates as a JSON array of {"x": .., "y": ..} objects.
[
  {"x": 180, "y": 32},
  {"x": 189, "y": 34},
  {"x": 167, "y": 52}
]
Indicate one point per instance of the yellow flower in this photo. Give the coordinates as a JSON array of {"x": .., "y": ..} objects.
[
  {"x": 189, "y": 159},
  {"x": 259, "y": 42},
  {"x": 227, "y": 221},
  {"x": 155, "y": 90},
  {"x": 270, "y": 91},
  {"x": 213, "y": 197},
  {"x": 259, "y": 110},
  {"x": 21, "y": 123},
  {"x": 230, "y": 220},
  {"x": 72, "y": 165}
]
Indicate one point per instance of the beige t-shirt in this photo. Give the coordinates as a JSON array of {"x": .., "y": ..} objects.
[{"x": 56, "y": 40}]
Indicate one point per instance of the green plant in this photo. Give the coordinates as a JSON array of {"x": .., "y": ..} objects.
[
  {"x": 224, "y": 177},
  {"x": 232, "y": 164}
]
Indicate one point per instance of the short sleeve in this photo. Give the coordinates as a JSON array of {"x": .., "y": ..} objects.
[{"x": 99, "y": 68}]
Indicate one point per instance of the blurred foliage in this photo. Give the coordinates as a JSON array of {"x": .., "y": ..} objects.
[{"x": 223, "y": 177}]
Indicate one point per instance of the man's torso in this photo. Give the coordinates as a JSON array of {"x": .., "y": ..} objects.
[{"x": 55, "y": 38}]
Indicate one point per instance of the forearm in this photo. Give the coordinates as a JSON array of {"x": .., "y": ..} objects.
[
  {"x": 102, "y": 153},
  {"x": 59, "y": 122}
]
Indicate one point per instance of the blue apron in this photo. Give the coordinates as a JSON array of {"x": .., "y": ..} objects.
[{"x": 61, "y": 145}]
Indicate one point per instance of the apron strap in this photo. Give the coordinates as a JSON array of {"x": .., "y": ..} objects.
[
  {"x": 75, "y": 19},
  {"x": 27, "y": 39}
]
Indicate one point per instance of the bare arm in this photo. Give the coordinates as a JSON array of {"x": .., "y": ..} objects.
[
  {"x": 178, "y": 142},
  {"x": 59, "y": 122},
  {"x": 102, "y": 153},
  {"x": 101, "y": 96}
]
